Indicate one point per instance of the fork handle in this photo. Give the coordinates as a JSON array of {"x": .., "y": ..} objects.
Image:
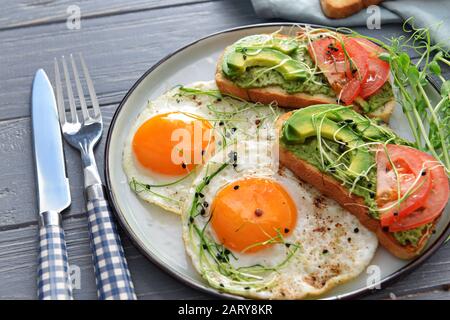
[
  {"x": 53, "y": 267},
  {"x": 112, "y": 275}
]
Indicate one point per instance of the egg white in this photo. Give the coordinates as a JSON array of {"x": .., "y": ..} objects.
[
  {"x": 329, "y": 245},
  {"x": 234, "y": 120}
]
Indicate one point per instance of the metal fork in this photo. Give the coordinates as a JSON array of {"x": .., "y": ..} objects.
[{"x": 83, "y": 132}]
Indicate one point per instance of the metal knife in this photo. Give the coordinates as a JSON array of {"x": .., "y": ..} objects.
[{"x": 53, "y": 192}]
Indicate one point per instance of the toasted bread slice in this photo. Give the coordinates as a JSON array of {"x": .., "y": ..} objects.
[
  {"x": 333, "y": 189},
  {"x": 338, "y": 9},
  {"x": 268, "y": 95}
]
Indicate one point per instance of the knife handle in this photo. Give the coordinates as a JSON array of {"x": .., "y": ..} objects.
[
  {"x": 111, "y": 269},
  {"x": 53, "y": 266}
]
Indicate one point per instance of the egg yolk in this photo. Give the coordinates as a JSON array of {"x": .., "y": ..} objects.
[
  {"x": 173, "y": 143},
  {"x": 249, "y": 212}
]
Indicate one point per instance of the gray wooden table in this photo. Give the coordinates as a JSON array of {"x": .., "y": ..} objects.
[{"x": 120, "y": 40}]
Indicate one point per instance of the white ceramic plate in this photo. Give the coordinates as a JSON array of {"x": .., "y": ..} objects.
[{"x": 157, "y": 233}]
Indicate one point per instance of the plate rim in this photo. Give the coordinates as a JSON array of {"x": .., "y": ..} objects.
[{"x": 413, "y": 264}]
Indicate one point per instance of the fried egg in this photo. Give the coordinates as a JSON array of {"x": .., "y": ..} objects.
[
  {"x": 177, "y": 133},
  {"x": 254, "y": 230}
]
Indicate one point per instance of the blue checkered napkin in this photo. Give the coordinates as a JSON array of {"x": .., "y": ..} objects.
[
  {"x": 111, "y": 269},
  {"x": 53, "y": 273}
]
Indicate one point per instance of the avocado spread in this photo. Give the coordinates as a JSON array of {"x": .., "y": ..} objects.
[
  {"x": 411, "y": 237},
  {"x": 378, "y": 99},
  {"x": 264, "y": 60},
  {"x": 335, "y": 140}
]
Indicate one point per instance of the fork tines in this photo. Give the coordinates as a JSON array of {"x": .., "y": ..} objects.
[{"x": 94, "y": 114}]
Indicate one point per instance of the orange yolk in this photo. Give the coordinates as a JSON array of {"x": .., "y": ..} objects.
[
  {"x": 250, "y": 211},
  {"x": 173, "y": 143}
]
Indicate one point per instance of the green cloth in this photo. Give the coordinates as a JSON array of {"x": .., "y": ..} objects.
[{"x": 434, "y": 14}]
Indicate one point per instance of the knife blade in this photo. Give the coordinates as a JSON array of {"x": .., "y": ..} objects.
[
  {"x": 52, "y": 181},
  {"x": 53, "y": 192}
]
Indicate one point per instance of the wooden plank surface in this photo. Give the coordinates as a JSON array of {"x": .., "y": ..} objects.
[
  {"x": 120, "y": 40},
  {"x": 27, "y": 13}
]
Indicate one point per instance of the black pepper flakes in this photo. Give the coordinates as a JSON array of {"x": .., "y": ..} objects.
[
  {"x": 183, "y": 165},
  {"x": 286, "y": 230},
  {"x": 356, "y": 230},
  {"x": 221, "y": 123},
  {"x": 325, "y": 251},
  {"x": 386, "y": 229},
  {"x": 236, "y": 187},
  {"x": 258, "y": 212}
]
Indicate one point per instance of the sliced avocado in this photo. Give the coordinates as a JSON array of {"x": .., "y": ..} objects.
[
  {"x": 302, "y": 125},
  {"x": 237, "y": 62},
  {"x": 286, "y": 45},
  {"x": 347, "y": 117}
]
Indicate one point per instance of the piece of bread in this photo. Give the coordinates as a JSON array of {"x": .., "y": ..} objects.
[
  {"x": 268, "y": 95},
  {"x": 338, "y": 9},
  {"x": 333, "y": 189}
]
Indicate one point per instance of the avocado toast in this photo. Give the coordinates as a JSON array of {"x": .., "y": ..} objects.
[
  {"x": 396, "y": 191},
  {"x": 313, "y": 67}
]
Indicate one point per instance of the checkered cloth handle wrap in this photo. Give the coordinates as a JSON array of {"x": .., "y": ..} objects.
[
  {"x": 111, "y": 269},
  {"x": 53, "y": 271}
]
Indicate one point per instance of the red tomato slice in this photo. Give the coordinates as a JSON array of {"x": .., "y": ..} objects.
[
  {"x": 350, "y": 91},
  {"x": 378, "y": 74},
  {"x": 359, "y": 58},
  {"x": 434, "y": 204},
  {"x": 330, "y": 61},
  {"x": 333, "y": 60},
  {"x": 410, "y": 164},
  {"x": 378, "y": 69},
  {"x": 373, "y": 49}
]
